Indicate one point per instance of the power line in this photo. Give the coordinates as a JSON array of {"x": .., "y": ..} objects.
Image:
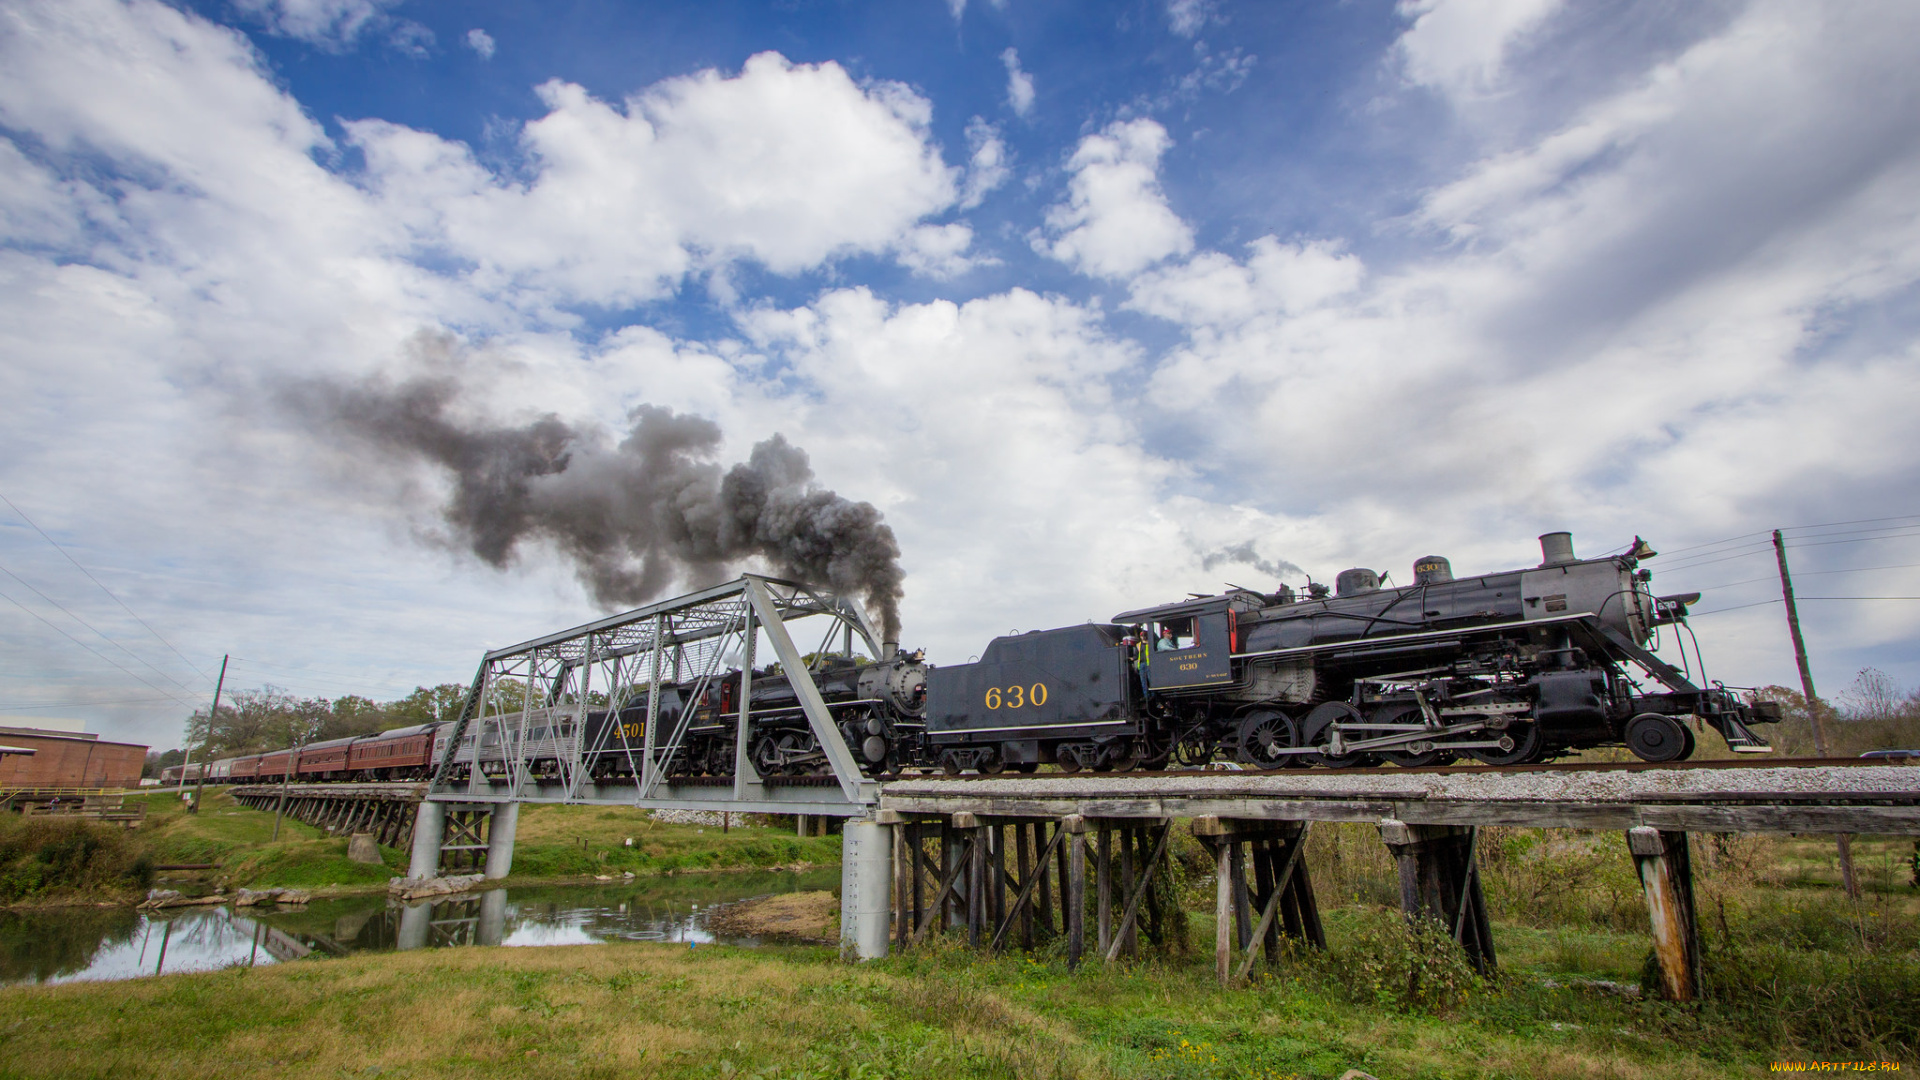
[
  {"x": 289, "y": 667},
  {"x": 130, "y": 673},
  {"x": 1809, "y": 573},
  {"x": 1776, "y": 600},
  {"x": 103, "y": 588},
  {"x": 79, "y": 704},
  {"x": 1795, "y": 528},
  {"x": 93, "y": 628},
  {"x": 1719, "y": 557}
]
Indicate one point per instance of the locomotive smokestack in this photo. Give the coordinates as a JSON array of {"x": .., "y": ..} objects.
[
  {"x": 889, "y": 650},
  {"x": 1556, "y": 548}
]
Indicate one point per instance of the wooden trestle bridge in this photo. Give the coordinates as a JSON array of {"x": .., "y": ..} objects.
[{"x": 1008, "y": 860}]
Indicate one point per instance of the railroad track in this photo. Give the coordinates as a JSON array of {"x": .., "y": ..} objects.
[{"x": 1449, "y": 770}]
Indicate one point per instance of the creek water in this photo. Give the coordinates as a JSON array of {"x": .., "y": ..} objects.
[{"x": 58, "y": 945}]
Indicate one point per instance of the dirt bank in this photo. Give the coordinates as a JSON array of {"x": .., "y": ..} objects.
[{"x": 811, "y": 917}]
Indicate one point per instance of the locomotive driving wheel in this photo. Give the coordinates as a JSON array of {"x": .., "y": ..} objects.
[
  {"x": 1317, "y": 730},
  {"x": 765, "y": 753},
  {"x": 1263, "y": 734},
  {"x": 1527, "y": 745}
]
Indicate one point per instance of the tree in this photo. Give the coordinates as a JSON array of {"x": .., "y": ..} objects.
[
  {"x": 157, "y": 761},
  {"x": 425, "y": 706}
]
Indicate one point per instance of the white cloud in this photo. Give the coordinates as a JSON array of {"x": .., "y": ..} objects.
[
  {"x": 480, "y": 42},
  {"x": 987, "y": 165},
  {"x": 1648, "y": 317},
  {"x": 1001, "y": 458},
  {"x": 411, "y": 38},
  {"x": 1461, "y": 46},
  {"x": 937, "y": 251},
  {"x": 1116, "y": 221},
  {"x": 1188, "y": 17},
  {"x": 1682, "y": 307},
  {"x": 789, "y": 165},
  {"x": 1214, "y": 290},
  {"x": 328, "y": 23},
  {"x": 1019, "y": 83}
]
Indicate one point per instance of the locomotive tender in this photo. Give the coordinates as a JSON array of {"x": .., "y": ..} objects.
[{"x": 1505, "y": 668}]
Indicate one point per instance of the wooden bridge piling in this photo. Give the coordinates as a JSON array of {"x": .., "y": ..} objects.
[
  {"x": 1666, "y": 876},
  {"x": 1440, "y": 881}
]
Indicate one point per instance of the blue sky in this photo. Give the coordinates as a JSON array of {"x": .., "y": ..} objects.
[{"x": 1080, "y": 296}]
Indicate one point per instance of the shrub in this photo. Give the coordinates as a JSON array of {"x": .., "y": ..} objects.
[
  {"x": 40, "y": 856},
  {"x": 1397, "y": 964}
]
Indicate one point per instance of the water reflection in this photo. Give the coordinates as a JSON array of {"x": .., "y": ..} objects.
[{"x": 69, "y": 944}]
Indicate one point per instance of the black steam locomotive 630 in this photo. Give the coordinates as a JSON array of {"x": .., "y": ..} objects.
[{"x": 1504, "y": 668}]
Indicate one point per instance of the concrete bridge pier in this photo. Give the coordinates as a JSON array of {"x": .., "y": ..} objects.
[
  {"x": 429, "y": 829},
  {"x": 502, "y": 825},
  {"x": 866, "y": 894}
]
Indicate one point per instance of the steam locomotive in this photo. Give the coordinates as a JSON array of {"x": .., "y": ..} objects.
[{"x": 1506, "y": 668}]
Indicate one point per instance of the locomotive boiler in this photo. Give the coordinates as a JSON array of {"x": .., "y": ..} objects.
[{"x": 1504, "y": 668}]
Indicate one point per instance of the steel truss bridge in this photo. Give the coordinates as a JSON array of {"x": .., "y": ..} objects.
[{"x": 526, "y": 715}]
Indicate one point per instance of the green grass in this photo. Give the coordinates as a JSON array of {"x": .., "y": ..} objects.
[
  {"x": 552, "y": 842},
  {"x": 241, "y": 841},
  {"x": 649, "y": 1010},
  {"x": 1793, "y": 971}
]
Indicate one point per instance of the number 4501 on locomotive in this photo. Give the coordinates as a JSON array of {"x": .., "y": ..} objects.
[{"x": 1504, "y": 668}]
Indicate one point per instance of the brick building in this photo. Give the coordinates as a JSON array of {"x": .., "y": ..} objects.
[{"x": 68, "y": 759}]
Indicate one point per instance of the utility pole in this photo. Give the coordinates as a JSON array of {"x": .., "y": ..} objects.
[
  {"x": 1812, "y": 700},
  {"x": 286, "y": 778},
  {"x": 186, "y": 764}
]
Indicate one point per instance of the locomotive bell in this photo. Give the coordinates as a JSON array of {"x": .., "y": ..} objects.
[
  {"x": 1431, "y": 570},
  {"x": 1556, "y": 548},
  {"x": 1356, "y": 581}
]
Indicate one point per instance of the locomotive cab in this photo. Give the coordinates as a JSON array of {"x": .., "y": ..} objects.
[{"x": 1186, "y": 646}]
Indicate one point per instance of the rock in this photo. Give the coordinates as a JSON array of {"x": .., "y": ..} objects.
[
  {"x": 169, "y": 898},
  {"x": 362, "y": 849},
  {"x": 417, "y": 888},
  {"x": 1356, "y": 1074},
  {"x": 250, "y": 897},
  {"x": 293, "y": 896}
]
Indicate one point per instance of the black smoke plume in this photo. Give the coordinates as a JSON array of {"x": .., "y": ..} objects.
[
  {"x": 637, "y": 516},
  {"x": 1243, "y": 554}
]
